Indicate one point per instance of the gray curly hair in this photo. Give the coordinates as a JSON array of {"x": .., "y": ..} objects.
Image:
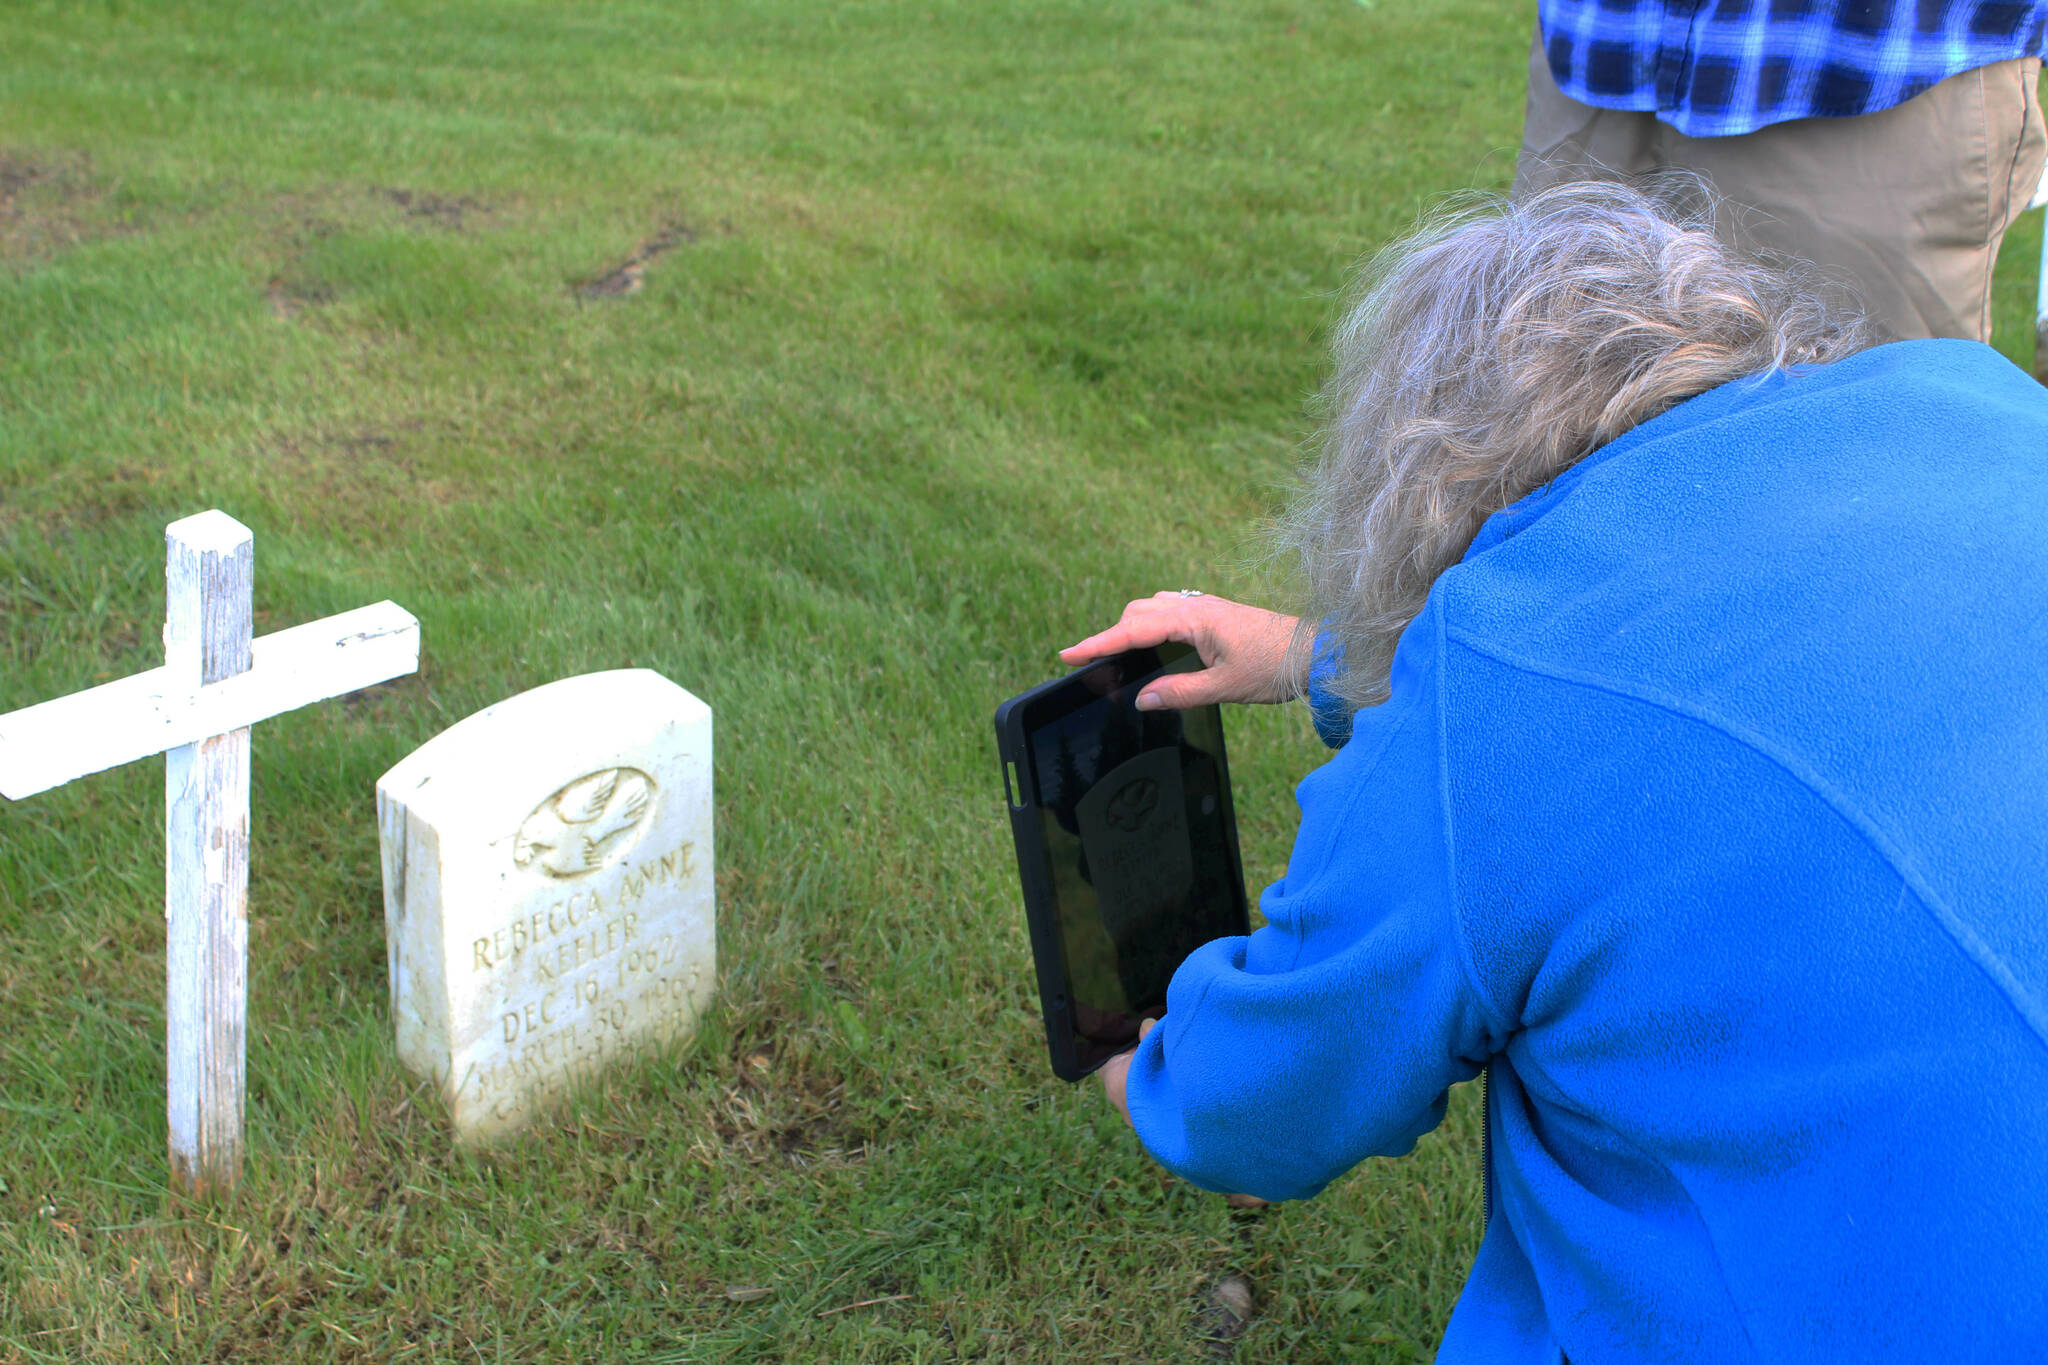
[{"x": 1495, "y": 347}]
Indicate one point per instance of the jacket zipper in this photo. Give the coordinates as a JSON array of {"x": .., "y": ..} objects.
[{"x": 1486, "y": 1138}]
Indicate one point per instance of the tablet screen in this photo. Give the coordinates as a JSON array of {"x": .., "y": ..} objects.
[{"x": 1138, "y": 839}]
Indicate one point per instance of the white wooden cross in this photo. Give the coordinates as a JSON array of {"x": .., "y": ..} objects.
[{"x": 196, "y": 710}]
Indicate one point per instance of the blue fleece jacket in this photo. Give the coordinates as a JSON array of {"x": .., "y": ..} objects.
[{"x": 1710, "y": 807}]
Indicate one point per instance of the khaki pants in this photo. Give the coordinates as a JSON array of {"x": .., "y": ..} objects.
[{"x": 1904, "y": 207}]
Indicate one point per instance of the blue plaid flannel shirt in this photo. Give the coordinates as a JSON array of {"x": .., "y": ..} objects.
[{"x": 1713, "y": 68}]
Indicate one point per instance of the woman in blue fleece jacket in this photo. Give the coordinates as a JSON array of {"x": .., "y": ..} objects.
[{"x": 1687, "y": 660}]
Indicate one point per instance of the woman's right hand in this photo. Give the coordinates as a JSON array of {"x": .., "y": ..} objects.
[{"x": 1244, "y": 649}]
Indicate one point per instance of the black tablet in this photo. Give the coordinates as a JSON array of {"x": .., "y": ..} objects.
[{"x": 1126, "y": 843}]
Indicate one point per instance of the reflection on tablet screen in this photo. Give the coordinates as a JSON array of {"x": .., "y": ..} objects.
[{"x": 1134, "y": 814}]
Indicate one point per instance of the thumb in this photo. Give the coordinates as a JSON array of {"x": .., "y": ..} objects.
[{"x": 1179, "y": 691}]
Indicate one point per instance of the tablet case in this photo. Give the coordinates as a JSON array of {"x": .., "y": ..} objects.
[{"x": 1126, "y": 846}]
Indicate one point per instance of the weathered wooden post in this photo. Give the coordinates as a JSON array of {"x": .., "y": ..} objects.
[
  {"x": 196, "y": 710},
  {"x": 210, "y": 582}
]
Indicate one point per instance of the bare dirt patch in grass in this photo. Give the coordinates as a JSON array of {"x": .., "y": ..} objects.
[
  {"x": 376, "y": 703},
  {"x": 49, "y": 205},
  {"x": 17, "y": 173},
  {"x": 626, "y": 277},
  {"x": 83, "y": 495},
  {"x": 364, "y": 478},
  {"x": 1225, "y": 1310},
  {"x": 434, "y": 210},
  {"x": 783, "y": 1106},
  {"x": 297, "y": 220},
  {"x": 288, "y": 297},
  {"x": 301, "y": 220}
]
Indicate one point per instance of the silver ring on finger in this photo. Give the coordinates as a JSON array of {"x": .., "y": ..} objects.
[{"x": 1192, "y": 592}]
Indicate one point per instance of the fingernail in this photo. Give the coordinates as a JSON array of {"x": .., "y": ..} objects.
[{"x": 1148, "y": 701}]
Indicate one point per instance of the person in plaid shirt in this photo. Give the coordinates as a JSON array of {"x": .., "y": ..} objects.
[{"x": 1889, "y": 142}]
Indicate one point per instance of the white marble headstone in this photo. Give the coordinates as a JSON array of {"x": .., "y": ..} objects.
[{"x": 548, "y": 895}]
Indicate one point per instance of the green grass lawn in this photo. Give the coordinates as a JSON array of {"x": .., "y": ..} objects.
[{"x": 956, "y": 325}]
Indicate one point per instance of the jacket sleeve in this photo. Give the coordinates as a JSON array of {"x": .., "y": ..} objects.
[
  {"x": 1332, "y": 714},
  {"x": 1334, "y": 1032}
]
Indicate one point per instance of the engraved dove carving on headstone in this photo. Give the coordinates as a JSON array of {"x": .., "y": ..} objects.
[{"x": 586, "y": 824}]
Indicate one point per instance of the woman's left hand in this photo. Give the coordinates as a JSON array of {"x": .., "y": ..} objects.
[{"x": 1116, "y": 1072}]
